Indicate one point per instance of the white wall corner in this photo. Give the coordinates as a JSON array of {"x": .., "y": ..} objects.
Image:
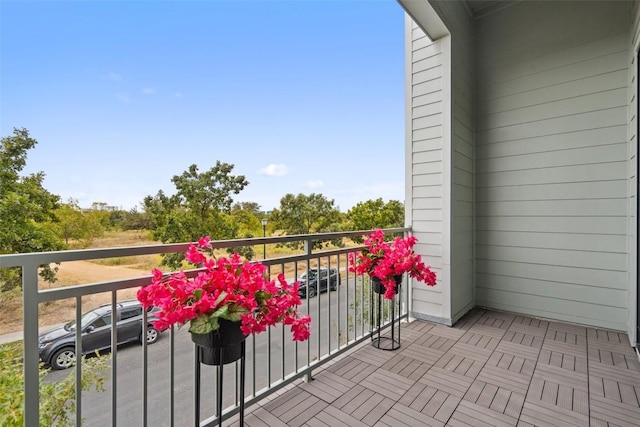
[
  {"x": 447, "y": 172},
  {"x": 408, "y": 134}
]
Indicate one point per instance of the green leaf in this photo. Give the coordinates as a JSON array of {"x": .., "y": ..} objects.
[
  {"x": 221, "y": 312},
  {"x": 236, "y": 315},
  {"x": 203, "y": 324}
]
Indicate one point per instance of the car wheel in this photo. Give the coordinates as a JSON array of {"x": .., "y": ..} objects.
[
  {"x": 334, "y": 285},
  {"x": 312, "y": 291},
  {"x": 152, "y": 335},
  {"x": 63, "y": 358}
]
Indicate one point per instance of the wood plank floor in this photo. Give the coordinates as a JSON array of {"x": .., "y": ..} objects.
[{"x": 490, "y": 369}]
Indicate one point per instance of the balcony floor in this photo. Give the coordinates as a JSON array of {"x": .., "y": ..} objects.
[{"x": 490, "y": 369}]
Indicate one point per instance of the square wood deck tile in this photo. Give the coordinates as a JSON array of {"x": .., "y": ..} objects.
[{"x": 490, "y": 369}]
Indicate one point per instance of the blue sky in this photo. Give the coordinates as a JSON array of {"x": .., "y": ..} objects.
[{"x": 301, "y": 96}]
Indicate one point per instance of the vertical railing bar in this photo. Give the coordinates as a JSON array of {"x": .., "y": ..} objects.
[
  {"x": 307, "y": 250},
  {"x": 172, "y": 362},
  {"x": 338, "y": 287},
  {"x": 400, "y": 311},
  {"x": 328, "y": 304},
  {"x": 114, "y": 357},
  {"x": 283, "y": 339},
  {"x": 295, "y": 278},
  {"x": 269, "y": 346},
  {"x": 347, "y": 300},
  {"x": 362, "y": 302},
  {"x": 145, "y": 373},
  {"x": 78, "y": 366},
  {"x": 30, "y": 304},
  {"x": 253, "y": 365},
  {"x": 318, "y": 287},
  {"x": 409, "y": 290},
  {"x": 196, "y": 386}
]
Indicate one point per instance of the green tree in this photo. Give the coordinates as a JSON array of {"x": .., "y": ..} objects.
[
  {"x": 201, "y": 206},
  {"x": 57, "y": 398},
  {"x": 26, "y": 209},
  {"x": 69, "y": 221},
  {"x": 248, "y": 222},
  {"x": 304, "y": 214},
  {"x": 78, "y": 225},
  {"x": 208, "y": 191},
  {"x": 130, "y": 220},
  {"x": 375, "y": 214},
  {"x": 252, "y": 207}
]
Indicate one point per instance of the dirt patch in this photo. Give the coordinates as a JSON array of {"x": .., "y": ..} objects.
[{"x": 71, "y": 273}]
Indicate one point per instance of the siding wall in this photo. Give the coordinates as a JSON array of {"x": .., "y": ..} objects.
[
  {"x": 426, "y": 181},
  {"x": 552, "y": 156},
  {"x": 440, "y": 161},
  {"x": 459, "y": 22},
  {"x": 633, "y": 169}
]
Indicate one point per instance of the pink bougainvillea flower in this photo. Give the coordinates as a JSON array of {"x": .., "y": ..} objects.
[
  {"x": 386, "y": 259},
  {"x": 227, "y": 288}
]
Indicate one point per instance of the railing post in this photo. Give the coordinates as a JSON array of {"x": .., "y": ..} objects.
[
  {"x": 30, "y": 336},
  {"x": 308, "y": 248}
]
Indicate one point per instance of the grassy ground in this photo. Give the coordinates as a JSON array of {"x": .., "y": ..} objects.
[{"x": 82, "y": 272}]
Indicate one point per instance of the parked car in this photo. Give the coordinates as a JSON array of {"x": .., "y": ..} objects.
[
  {"x": 318, "y": 279},
  {"x": 57, "y": 346}
]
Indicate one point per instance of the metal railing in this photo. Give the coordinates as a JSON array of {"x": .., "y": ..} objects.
[{"x": 341, "y": 318}]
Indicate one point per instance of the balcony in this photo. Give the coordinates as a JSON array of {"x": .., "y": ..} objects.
[{"x": 490, "y": 368}]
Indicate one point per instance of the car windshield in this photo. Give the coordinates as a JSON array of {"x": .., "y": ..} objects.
[
  {"x": 311, "y": 274},
  {"x": 86, "y": 319}
]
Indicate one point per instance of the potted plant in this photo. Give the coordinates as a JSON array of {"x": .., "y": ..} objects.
[
  {"x": 386, "y": 261},
  {"x": 226, "y": 301}
]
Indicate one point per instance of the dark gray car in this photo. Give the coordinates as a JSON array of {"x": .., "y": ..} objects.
[
  {"x": 318, "y": 280},
  {"x": 57, "y": 346}
]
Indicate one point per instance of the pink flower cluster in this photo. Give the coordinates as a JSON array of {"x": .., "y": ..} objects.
[
  {"x": 227, "y": 288},
  {"x": 385, "y": 260}
]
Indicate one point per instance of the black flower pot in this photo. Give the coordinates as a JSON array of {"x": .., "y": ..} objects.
[
  {"x": 221, "y": 346},
  {"x": 379, "y": 288}
]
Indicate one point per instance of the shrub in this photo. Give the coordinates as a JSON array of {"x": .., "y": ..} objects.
[{"x": 57, "y": 399}]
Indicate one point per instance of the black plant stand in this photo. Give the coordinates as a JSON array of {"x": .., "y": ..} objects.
[
  {"x": 391, "y": 341},
  {"x": 220, "y": 372}
]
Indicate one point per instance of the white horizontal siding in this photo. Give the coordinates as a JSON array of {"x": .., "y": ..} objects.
[
  {"x": 587, "y": 277},
  {"x": 555, "y": 143},
  {"x": 552, "y": 161},
  {"x": 425, "y": 101},
  {"x": 459, "y": 22},
  {"x": 554, "y": 224},
  {"x": 540, "y": 174},
  {"x": 562, "y": 191},
  {"x": 565, "y": 241}
]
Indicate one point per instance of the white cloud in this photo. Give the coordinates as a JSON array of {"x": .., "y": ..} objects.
[
  {"x": 148, "y": 91},
  {"x": 318, "y": 183},
  {"x": 274, "y": 170},
  {"x": 178, "y": 94},
  {"x": 122, "y": 97},
  {"x": 114, "y": 76}
]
